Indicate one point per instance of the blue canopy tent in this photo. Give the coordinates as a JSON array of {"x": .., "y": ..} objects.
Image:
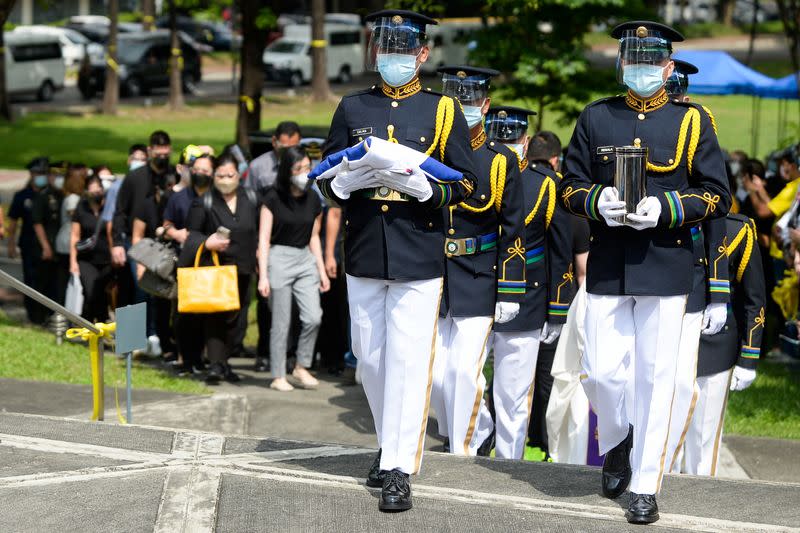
[
  {"x": 785, "y": 89},
  {"x": 719, "y": 73}
]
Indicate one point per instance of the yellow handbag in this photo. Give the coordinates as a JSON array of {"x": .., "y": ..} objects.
[{"x": 211, "y": 289}]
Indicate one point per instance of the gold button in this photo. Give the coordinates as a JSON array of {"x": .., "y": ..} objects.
[
  {"x": 533, "y": 165},
  {"x": 641, "y": 116},
  {"x": 394, "y": 104},
  {"x": 637, "y": 141},
  {"x": 671, "y": 161},
  {"x": 360, "y": 139},
  {"x": 483, "y": 197},
  {"x": 726, "y": 328},
  {"x": 430, "y": 224},
  {"x": 494, "y": 267},
  {"x": 422, "y": 139},
  {"x": 605, "y": 158},
  {"x": 680, "y": 242},
  {"x": 449, "y": 254},
  {"x": 384, "y": 208},
  {"x": 451, "y": 231}
]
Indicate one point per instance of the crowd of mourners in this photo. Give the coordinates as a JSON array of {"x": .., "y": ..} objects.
[{"x": 76, "y": 224}]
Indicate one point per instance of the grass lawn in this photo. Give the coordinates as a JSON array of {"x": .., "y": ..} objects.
[
  {"x": 770, "y": 407},
  {"x": 31, "y": 353},
  {"x": 94, "y": 138}
]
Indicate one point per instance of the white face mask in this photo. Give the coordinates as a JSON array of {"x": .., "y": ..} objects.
[
  {"x": 473, "y": 114},
  {"x": 300, "y": 181},
  {"x": 226, "y": 185},
  {"x": 107, "y": 181},
  {"x": 58, "y": 182},
  {"x": 136, "y": 164},
  {"x": 397, "y": 69}
]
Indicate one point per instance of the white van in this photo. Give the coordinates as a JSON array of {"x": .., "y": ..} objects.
[
  {"x": 450, "y": 42},
  {"x": 73, "y": 44},
  {"x": 288, "y": 59},
  {"x": 34, "y": 65}
]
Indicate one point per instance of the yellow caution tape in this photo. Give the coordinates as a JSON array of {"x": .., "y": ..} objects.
[
  {"x": 113, "y": 64},
  {"x": 319, "y": 43},
  {"x": 121, "y": 418}
]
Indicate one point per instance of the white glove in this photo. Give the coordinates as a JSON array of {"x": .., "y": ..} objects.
[
  {"x": 505, "y": 312},
  {"x": 550, "y": 333},
  {"x": 411, "y": 181},
  {"x": 348, "y": 181},
  {"x": 647, "y": 213},
  {"x": 714, "y": 317},
  {"x": 742, "y": 378},
  {"x": 610, "y": 206}
]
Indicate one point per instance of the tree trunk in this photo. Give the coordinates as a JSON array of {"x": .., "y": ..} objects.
[
  {"x": 725, "y": 11},
  {"x": 251, "y": 82},
  {"x": 5, "y": 107},
  {"x": 320, "y": 87},
  {"x": 148, "y": 15},
  {"x": 789, "y": 11},
  {"x": 111, "y": 91},
  {"x": 753, "y": 27},
  {"x": 175, "y": 62}
]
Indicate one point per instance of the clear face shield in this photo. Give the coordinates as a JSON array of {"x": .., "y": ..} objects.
[
  {"x": 643, "y": 56},
  {"x": 677, "y": 85},
  {"x": 469, "y": 90},
  {"x": 505, "y": 128},
  {"x": 394, "y": 36}
]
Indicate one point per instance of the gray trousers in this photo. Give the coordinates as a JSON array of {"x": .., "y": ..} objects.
[{"x": 292, "y": 274}]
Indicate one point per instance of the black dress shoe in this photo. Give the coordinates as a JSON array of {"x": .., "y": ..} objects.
[
  {"x": 375, "y": 475},
  {"x": 262, "y": 365},
  {"x": 231, "y": 376},
  {"x": 446, "y": 445},
  {"x": 617, "y": 467},
  {"x": 485, "y": 449},
  {"x": 396, "y": 493},
  {"x": 642, "y": 509},
  {"x": 215, "y": 373}
]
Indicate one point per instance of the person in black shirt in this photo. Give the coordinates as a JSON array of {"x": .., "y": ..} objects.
[
  {"x": 233, "y": 207},
  {"x": 92, "y": 264},
  {"x": 22, "y": 209},
  {"x": 46, "y": 219},
  {"x": 290, "y": 265}
]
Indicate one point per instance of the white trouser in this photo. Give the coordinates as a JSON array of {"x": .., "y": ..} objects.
[
  {"x": 701, "y": 448},
  {"x": 649, "y": 327},
  {"x": 393, "y": 327},
  {"x": 685, "y": 399},
  {"x": 515, "y": 355},
  {"x": 458, "y": 382}
]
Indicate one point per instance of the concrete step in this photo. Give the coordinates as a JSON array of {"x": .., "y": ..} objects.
[{"x": 71, "y": 475}]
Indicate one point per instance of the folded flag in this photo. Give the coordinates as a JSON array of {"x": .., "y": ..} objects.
[{"x": 379, "y": 154}]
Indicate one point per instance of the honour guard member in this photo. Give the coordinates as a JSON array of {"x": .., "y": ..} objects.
[
  {"x": 549, "y": 287},
  {"x": 728, "y": 359},
  {"x": 707, "y": 304},
  {"x": 394, "y": 243},
  {"x": 640, "y": 263},
  {"x": 484, "y": 271}
]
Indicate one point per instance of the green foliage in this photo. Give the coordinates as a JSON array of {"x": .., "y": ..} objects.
[
  {"x": 266, "y": 19},
  {"x": 540, "y": 46},
  {"x": 429, "y": 7}
]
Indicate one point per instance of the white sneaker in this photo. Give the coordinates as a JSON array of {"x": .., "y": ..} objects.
[{"x": 154, "y": 346}]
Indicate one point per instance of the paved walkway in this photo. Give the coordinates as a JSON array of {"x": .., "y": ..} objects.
[{"x": 68, "y": 475}]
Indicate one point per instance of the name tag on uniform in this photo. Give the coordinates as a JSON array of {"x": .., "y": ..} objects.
[
  {"x": 361, "y": 132},
  {"x": 605, "y": 150}
]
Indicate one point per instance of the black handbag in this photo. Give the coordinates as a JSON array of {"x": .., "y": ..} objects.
[{"x": 88, "y": 244}]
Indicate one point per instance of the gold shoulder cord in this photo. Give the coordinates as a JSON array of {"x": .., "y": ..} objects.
[
  {"x": 690, "y": 120},
  {"x": 548, "y": 185},
  {"x": 745, "y": 234},
  {"x": 497, "y": 183},
  {"x": 711, "y": 118}
]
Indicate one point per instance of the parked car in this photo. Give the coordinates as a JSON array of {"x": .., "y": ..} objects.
[
  {"x": 214, "y": 34},
  {"x": 288, "y": 59},
  {"x": 34, "y": 65},
  {"x": 74, "y": 45},
  {"x": 143, "y": 60}
]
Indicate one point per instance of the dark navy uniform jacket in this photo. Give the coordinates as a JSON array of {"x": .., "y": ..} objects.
[
  {"x": 710, "y": 282},
  {"x": 400, "y": 240},
  {"x": 686, "y": 173},
  {"x": 494, "y": 218},
  {"x": 549, "y": 278},
  {"x": 739, "y": 341}
]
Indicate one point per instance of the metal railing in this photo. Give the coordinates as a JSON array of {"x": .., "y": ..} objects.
[{"x": 94, "y": 335}]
